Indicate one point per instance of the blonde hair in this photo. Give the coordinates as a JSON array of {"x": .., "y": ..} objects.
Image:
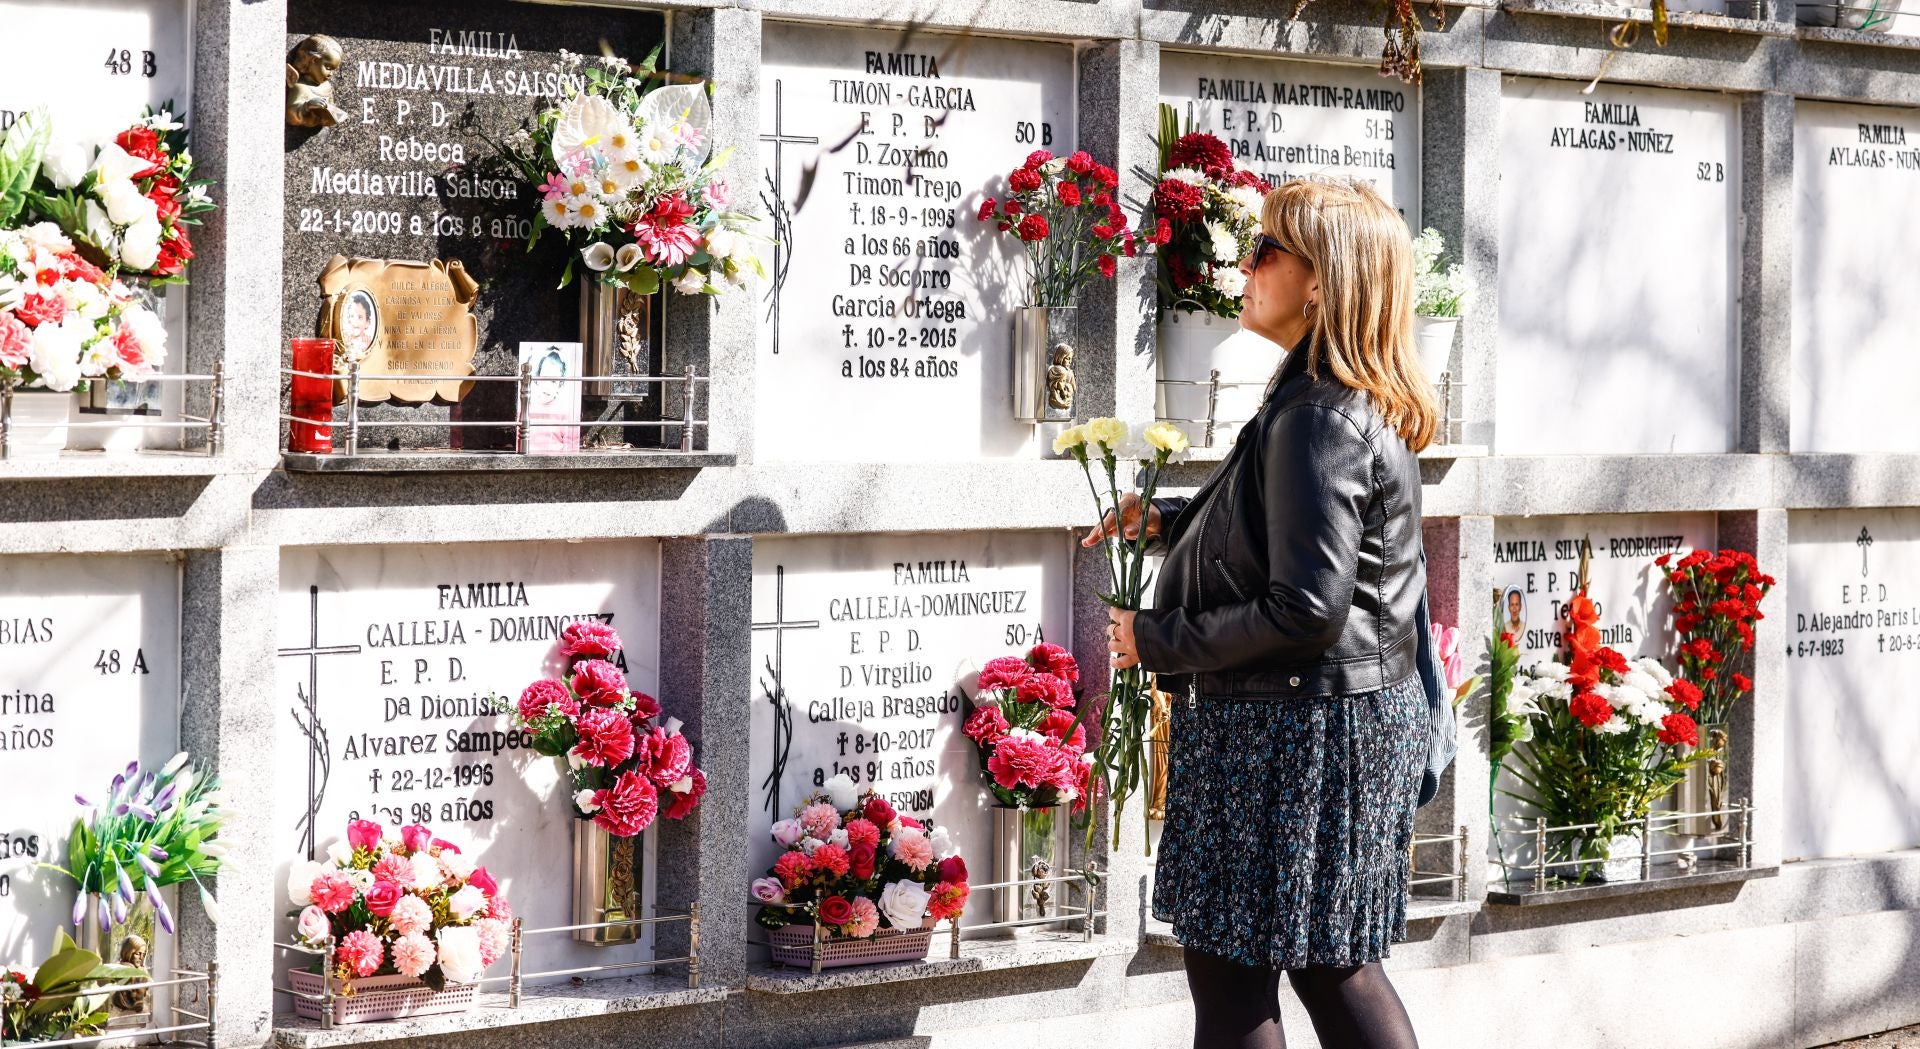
[{"x": 1360, "y": 250}]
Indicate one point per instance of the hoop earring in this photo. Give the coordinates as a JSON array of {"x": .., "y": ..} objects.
[{"x": 1306, "y": 310}]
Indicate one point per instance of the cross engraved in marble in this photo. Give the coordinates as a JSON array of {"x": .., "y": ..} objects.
[
  {"x": 1865, "y": 541},
  {"x": 777, "y": 207},
  {"x": 776, "y": 689},
  {"x": 319, "y": 760}
]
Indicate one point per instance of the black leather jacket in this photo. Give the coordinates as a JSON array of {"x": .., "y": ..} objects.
[{"x": 1296, "y": 569}]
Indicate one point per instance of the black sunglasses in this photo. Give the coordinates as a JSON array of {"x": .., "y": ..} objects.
[{"x": 1265, "y": 244}]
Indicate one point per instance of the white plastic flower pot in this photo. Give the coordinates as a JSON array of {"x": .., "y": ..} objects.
[
  {"x": 1192, "y": 346},
  {"x": 1433, "y": 337},
  {"x": 37, "y": 428}
]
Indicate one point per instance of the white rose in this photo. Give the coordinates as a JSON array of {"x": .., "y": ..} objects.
[
  {"x": 1229, "y": 281},
  {"x": 942, "y": 843},
  {"x": 904, "y": 903},
  {"x": 460, "y": 953},
  {"x": 362, "y": 881},
  {"x": 838, "y": 837},
  {"x": 55, "y": 354},
  {"x": 300, "y": 881},
  {"x": 66, "y": 163},
  {"x": 125, "y": 203},
  {"x": 692, "y": 282},
  {"x": 340, "y": 852},
  {"x": 722, "y": 242},
  {"x": 583, "y": 800},
  {"x": 426, "y": 871},
  {"x": 627, "y": 257},
  {"x": 114, "y": 164},
  {"x": 810, "y": 843},
  {"x": 599, "y": 256},
  {"x": 841, "y": 791},
  {"x": 466, "y": 902},
  {"x": 141, "y": 248},
  {"x": 311, "y": 928},
  {"x": 457, "y": 864},
  {"x": 100, "y": 228}
]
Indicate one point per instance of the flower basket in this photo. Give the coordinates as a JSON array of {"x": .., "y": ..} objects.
[
  {"x": 793, "y": 945},
  {"x": 377, "y": 998}
]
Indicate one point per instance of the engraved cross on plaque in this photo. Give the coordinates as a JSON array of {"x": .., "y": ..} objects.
[
  {"x": 777, "y": 690},
  {"x": 1865, "y": 540},
  {"x": 780, "y": 138},
  {"x": 318, "y": 760}
]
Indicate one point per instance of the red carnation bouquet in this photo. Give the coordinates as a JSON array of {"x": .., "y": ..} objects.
[
  {"x": 1716, "y": 603},
  {"x": 626, "y": 770},
  {"x": 855, "y": 866},
  {"x": 1594, "y": 739},
  {"x": 1033, "y": 753},
  {"x": 1205, "y": 211},
  {"x": 1063, "y": 212}
]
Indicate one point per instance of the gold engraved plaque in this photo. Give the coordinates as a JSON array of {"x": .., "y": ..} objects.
[{"x": 395, "y": 318}]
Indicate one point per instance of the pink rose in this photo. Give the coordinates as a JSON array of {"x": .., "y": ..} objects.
[
  {"x": 769, "y": 891},
  {"x": 588, "y": 640},
  {"x": 788, "y": 832},
  {"x": 599, "y": 682},
  {"x": 414, "y": 837},
  {"x": 382, "y": 898},
  {"x": 544, "y": 695},
  {"x": 483, "y": 880},
  {"x": 363, "y": 834}
]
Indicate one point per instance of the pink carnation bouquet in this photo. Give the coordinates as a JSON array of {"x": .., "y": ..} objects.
[
  {"x": 408, "y": 904},
  {"x": 855, "y": 866},
  {"x": 1033, "y": 753},
  {"x": 626, "y": 770}
]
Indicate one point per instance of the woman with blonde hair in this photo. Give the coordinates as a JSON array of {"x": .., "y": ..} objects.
[{"x": 1285, "y": 622}]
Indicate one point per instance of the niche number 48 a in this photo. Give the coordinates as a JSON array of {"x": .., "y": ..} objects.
[
  {"x": 110, "y": 663},
  {"x": 120, "y": 63}
]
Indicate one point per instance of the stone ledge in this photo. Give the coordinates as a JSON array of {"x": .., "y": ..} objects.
[
  {"x": 119, "y": 464},
  {"x": 414, "y": 461},
  {"x": 1527, "y": 897},
  {"x": 537, "y": 1005},
  {"x": 1160, "y": 934},
  {"x": 976, "y": 956},
  {"x": 1643, "y": 15},
  {"x": 1833, "y": 35}
]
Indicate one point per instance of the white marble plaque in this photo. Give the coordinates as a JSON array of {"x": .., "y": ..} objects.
[
  {"x": 874, "y": 643},
  {"x": 891, "y": 312},
  {"x": 399, "y": 668},
  {"x": 1536, "y": 563},
  {"x": 89, "y": 680},
  {"x": 1853, "y": 701},
  {"x": 1856, "y": 178},
  {"x": 94, "y": 63},
  {"x": 1619, "y": 277},
  {"x": 1289, "y": 119}
]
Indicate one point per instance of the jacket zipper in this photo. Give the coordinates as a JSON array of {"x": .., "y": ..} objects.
[
  {"x": 1221, "y": 563},
  {"x": 1199, "y": 593}
]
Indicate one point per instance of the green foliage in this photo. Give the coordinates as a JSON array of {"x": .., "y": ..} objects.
[
  {"x": 1437, "y": 292},
  {"x": 20, "y": 154},
  {"x": 60, "y": 1003}
]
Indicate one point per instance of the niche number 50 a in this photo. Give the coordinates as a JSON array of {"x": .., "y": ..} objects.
[
  {"x": 1706, "y": 171},
  {"x": 110, "y": 662}
]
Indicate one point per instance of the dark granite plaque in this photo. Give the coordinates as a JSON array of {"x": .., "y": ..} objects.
[{"x": 408, "y": 171}]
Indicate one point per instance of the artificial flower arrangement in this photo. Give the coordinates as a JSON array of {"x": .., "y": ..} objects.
[
  {"x": 1716, "y": 603},
  {"x": 64, "y": 320},
  {"x": 1120, "y": 758},
  {"x": 1063, "y": 212},
  {"x": 1437, "y": 292},
  {"x": 625, "y": 172},
  {"x": 127, "y": 203},
  {"x": 855, "y": 866},
  {"x": 1597, "y": 739},
  {"x": 625, "y": 769},
  {"x": 154, "y": 829},
  {"x": 1032, "y": 748},
  {"x": 1206, "y": 213},
  {"x": 64, "y": 998},
  {"x": 409, "y": 905}
]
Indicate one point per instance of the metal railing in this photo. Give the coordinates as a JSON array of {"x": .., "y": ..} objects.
[
  {"x": 181, "y": 1020},
  {"x": 1452, "y": 406},
  {"x": 212, "y": 423},
  {"x": 1537, "y": 833},
  {"x": 517, "y": 977},
  {"x": 521, "y": 423},
  {"x": 1876, "y": 17},
  {"x": 1456, "y": 878}
]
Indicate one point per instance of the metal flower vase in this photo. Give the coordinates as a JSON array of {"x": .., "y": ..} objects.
[
  {"x": 1043, "y": 370},
  {"x": 606, "y": 884},
  {"x": 1029, "y": 843},
  {"x": 616, "y": 338},
  {"x": 1707, "y": 788},
  {"x": 133, "y": 941}
]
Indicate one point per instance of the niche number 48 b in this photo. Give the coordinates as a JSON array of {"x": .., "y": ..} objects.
[
  {"x": 120, "y": 63},
  {"x": 110, "y": 662}
]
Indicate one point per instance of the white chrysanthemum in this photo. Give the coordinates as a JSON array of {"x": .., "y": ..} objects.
[
  {"x": 1553, "y": 671},
  {"x": 1614, "y": 727},
  {"x": 558, "y": 212},
  {"x": 1229, "y": 281},
  {"x": 588, "y": 211},
  {"x": 1649, "y": 712},
  {"x": 1226, "y": 247},
  {"x": 1193, "y": 176},
  {"x": 1247, "y": 199},
  {"x": 1643, "y": 681},
  {"x": 1653, "y": 669},
  {"x": 1560, "y": 690}
]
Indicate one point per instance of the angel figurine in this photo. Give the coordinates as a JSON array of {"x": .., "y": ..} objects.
[{"x": 310, "y": 68}]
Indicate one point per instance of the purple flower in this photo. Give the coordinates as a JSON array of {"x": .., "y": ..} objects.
[
  {"x": 82, "y": 802},
  {"x": 106, "y": 917},
  {"x": 145, "y": 813},
  {"x": 152, "y": 868},
  {"x": 157, "y": 852},
  {"x": 160, "y": 907},
  {"x": 79, "y": 908},
  {"x": 126, "y": 883},
  {"x": 119, "y": 911}
]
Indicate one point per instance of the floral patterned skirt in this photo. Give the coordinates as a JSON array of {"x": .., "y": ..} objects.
[{"x": 1288, "y": 826}]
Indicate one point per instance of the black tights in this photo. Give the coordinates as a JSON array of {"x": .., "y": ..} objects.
[{"x": 1238, "y": 1006}]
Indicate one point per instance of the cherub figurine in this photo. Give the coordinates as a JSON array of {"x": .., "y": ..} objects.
[
  {"x": 1060, "y": 382},
  {"x": 310, "y": 68}
]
